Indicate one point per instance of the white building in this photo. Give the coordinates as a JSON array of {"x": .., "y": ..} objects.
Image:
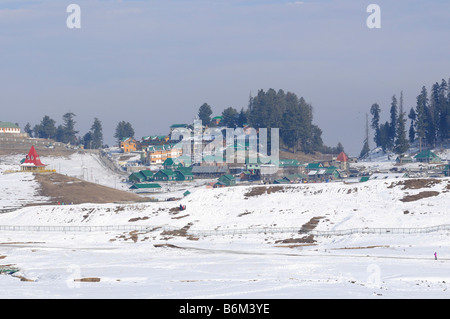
[{"x": 8, "y": 127}]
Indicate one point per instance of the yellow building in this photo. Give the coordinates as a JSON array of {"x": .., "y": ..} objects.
[
  {"x": 128, "y": 144},
  {"x": 157, "y": 154}
]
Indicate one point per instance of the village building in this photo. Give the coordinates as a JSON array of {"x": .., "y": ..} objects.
[
  {"x": 225, "y": 180},
  {"x": 32, "y": 162},
  {"x": 157, "y": 154},
  {"x": 446, "y": 170},
  {"x": 427, "y": 157},
  {"x": 323, "y": 174},
  {"x": 290, "y": 166},
  {"x": 136, "y": 177},
  {"x": 154, "y": 140},
  {"x": 141, "y": 176},
  {"x": 342, "y": 160},
  {"x": 217, "y": 120},
  {"x": 313, "y": 167},
  {"x": 404, "y": 159},
  {"x": 172, "y": 163},
  {"x": 209, "y": 171},
  {"x": 128, "y": 144},
  {"x": 184, "y": 174},
  {"x": 182, "y": 128},
  {"x": 146, "y": 187},
  {"x": 164, "y": 175},
  {"x": 9, "y": 128}
]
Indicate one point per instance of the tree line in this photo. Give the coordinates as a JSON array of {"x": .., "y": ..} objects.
[
  {"x": 429, "y": 121},
  {"x": 66, "y": 133},
  {"x": 293, "y": 116}
]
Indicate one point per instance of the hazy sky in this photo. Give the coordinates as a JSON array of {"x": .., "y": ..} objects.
[{"x": 153, "y": 63}]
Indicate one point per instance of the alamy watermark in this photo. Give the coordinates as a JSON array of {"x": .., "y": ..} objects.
[
  {"x": 228, "y": 145},
  {"x": 374, "y": 19},
  {"x": 73, "y": 21}
]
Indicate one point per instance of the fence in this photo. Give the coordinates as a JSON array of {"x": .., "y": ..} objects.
[{"x": 225, "y": 232}]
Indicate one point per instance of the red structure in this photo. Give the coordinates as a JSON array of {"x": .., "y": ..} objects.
[
  {"x": 32, "y": 162},
  {"x": 342, "y": 157}
]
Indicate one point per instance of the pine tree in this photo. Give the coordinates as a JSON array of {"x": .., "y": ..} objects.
[
  {"x": 123, "y": 130},
  {"x": 28, "y": 130},
  {"x": 421, "y": 116},
  {"x": 69, "y": 132},
  {"x": 242, "y": 118},
  {"x": 46, "y": 129},
  {"x": 384, "y": 136},
  {"x": 375, "y": 111},
  {"x": 444, "y": 111},
  {"x": 412, "y": 132},
  {"x": 401, "y": 142},
  {"x": 97, "y": 134},
  {"x": 204, "y": 114},
  {"x": 230, "y": 117},
  {"x": 87, "y": 140},
  {"x": 366, "y": 149},
  {"x": 393, "y": 123}
]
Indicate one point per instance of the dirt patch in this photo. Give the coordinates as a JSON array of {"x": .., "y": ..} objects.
[
  {"x": 416, "y": 183},
  {"x": 137, "y": 219},
  {"x": 70, "y": 190},
  {"x": 88, "y": 279},
  {"x": 309, "y": 239},
  {"x": 303, "y": 240},
  {"x": 182, "y": 232},
  {"x": 244, "y": 213},
  {"x": 311, "y": 224},
  {"x": 424, "y": 194},
  {"x": 260, "y": 190},
  {"x": 179, "y": 217}
]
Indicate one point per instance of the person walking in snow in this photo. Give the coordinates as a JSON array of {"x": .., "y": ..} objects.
[{"x": 435, "y": 256}]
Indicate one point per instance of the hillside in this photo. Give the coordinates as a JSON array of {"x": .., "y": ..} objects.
[{"x": 240, "y": 242}]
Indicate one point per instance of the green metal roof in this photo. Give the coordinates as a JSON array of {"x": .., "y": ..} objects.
[
  {"x": 167, "y": 172},
  {"x": 426, "y": 154},
  {"x": 314, "y": 165},
  {"x": 8, "y": 125},
  {"x": 138, "y": 175},
  {"x": 288, "y": 162},
  {"x": 145, "y": 185},
  {"x": 186, "y": 171},
  {"x": 146, "y": 173}
]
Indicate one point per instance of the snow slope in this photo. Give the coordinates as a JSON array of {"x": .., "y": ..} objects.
[{"x": 156, "y": 264}]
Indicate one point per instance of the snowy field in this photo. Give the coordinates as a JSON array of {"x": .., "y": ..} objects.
[{"x": 153, "y": 263}]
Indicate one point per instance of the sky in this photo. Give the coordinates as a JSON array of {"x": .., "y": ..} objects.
[{"x": 153, "y": 63}]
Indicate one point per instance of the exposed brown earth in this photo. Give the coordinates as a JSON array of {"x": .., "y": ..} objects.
[
  {"x": 260, "y": 190},
  {"x": 425, "y": 194},
  {"x": 417, "y": 183},
  {"x": 70, "y": 190}
]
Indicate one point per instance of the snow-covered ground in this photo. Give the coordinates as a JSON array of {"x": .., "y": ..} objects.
[{"x": 155, "y": 264}]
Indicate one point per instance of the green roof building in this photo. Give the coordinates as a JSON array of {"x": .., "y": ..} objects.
[
  {"x": 8, "y": 127},
  {"x": 148, "y": 175},
  {"x": 164, "y": 175},
  {"x": 136, "y": 177},
  {"x": 313, "y": 166},
  {"x": 427, "y": 157},
  {"x": 146, "y": 187},
  {"x": 184, "y": 174},
  {"x": 227, "y": 180}
]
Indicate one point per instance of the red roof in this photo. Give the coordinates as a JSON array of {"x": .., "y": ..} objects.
[
  {"x": 32, "y": 158},
  {"x": 342, "y": 157}
]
